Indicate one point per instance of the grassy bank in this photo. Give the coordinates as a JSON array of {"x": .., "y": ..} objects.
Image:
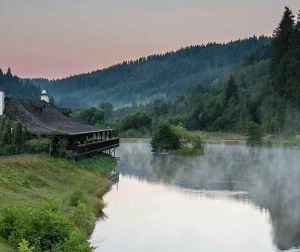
[{"x": 74, "y": 188}]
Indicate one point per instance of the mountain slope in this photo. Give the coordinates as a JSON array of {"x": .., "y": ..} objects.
[{"x": 169, "y": 74}]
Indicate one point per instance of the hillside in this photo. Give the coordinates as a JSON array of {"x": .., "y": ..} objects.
[
  {"x": 264, "y": 89},
  {"x": 166, "y": 75},
  {"x": 13, "y": 86}
]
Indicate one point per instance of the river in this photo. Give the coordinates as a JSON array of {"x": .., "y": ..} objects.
[{"x": 232, "y": 198}]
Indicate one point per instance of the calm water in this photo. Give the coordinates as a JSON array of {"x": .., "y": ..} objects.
[{"x": 233, "y": 198}]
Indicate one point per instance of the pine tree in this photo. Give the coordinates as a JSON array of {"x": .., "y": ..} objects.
[
  {"x": 9, "y": 73},
  {"x": 6, "y": 137},
  {"x": 2, "y": 125},
  {"x": 254, "y": 134},
  {"x": 295, "y": 65},
  {"x": 18, "y": 134},
  {"x": 280, "y": 53},
  {"x": 231, "y": 89}
]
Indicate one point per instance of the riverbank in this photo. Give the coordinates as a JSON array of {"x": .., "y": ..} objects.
[
  {"x": 64, "y": 184},
  {"x": 233, "y": 139}
]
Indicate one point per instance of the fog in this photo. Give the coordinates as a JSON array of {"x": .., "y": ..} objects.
[{"x": 265, "y": 177}]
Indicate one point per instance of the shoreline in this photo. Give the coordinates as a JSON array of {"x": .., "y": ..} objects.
[{"x": 75, "y": 188}]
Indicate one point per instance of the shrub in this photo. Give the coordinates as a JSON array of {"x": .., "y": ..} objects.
[
  {"x": 38, "y": 145},
  {"x": 76, "y": 243},
  {"x": 83, "y": 218},
  {"x": 254, "y": 134},
  {"x": 42, "y": 228},
  {"x": 24, "y": 246},
  {"x": 76, "y": 197},
  {"x": 164, "y": 138}
]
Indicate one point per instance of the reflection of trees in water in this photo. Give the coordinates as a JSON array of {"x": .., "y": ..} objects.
[{"x": 270, "y": 176}]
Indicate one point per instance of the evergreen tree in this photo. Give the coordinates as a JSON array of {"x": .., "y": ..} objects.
[
  {"x": 8, "y": 73},
  {"x": 231, "y": 89},
  {"x": 2, "y": 126},
  {"x": 295, "y": 65},
  {"x": 282, "y": 43},
  {"x": 6, "y": 138},
  {"x": 18, "y": 134},
  {"x": 254, "y": 134}
]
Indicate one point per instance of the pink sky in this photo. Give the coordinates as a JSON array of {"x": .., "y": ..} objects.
[{"x": 56, "y": 39}]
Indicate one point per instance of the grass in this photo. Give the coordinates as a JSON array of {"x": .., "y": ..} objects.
[{"x": 40, "y": 180}]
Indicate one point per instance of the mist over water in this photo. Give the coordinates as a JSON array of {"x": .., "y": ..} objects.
[{"x": 233, "y": 198}]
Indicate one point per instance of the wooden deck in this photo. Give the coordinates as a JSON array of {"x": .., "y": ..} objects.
[{"x": 105, "y": 146}]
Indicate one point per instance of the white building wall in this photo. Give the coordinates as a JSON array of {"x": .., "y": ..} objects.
[
  {"x": 2, "y": 96},
  {"x": 45, "y": 98}
]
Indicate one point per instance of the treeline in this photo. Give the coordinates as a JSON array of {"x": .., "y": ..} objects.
[
  {"x": 17, "y": 139},
  {"x": 13, "y": 86},
  {"x": 264, "y": 89},
  {"x": 149, "y": 77}
]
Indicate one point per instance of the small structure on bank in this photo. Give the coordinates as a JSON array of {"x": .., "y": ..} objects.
[{"x": 45, "y": 119}]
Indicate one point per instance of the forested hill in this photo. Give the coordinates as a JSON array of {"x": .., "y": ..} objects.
[
  {"x": 15, "y": 87},
  {"x": 157, "y": 75}
]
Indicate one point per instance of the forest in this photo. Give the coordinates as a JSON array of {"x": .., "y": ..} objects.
[
  {"x": 264, "y": 88},
  {"x": 213, "y": 87},
  {"x": 167, "y": 75},
  {"x": 13, "y": 86}
]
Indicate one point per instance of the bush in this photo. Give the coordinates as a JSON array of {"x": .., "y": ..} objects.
[
  {"x": 76, "y": 197},
  {"x": 42, "y": 228},
  {"x": 83, "y": 218},
  {"x": 38, "y": 145},
  {"x": 24, "y": 246},
  {"x": 254, "y": 134},
  {"x": 76, "y": 243},
  {"x": 164, "y": 139}
]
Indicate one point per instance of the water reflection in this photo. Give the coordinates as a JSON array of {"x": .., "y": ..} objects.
[{"x": 264, "y": 178}]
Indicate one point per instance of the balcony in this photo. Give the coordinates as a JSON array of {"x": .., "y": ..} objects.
[{"x": 88, "y": 149}]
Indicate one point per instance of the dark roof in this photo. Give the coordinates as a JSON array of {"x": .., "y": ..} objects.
[
  {"x": 41, "y": 117},
  {"x": 38, "y": 104},
  {"x": 65, "y": 110}
]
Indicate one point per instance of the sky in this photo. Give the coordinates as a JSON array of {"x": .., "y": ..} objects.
[{"x": 59, "y": 38}]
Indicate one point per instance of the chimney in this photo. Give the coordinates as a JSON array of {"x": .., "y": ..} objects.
[
  {"x": 45, "y": 96},
  {"x": 2, "y": 104}
]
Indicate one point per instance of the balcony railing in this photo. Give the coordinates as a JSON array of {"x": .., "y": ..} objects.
[{"x": 95, "y": 147}]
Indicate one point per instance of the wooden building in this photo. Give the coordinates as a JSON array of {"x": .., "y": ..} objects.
[{"x": 45, "y": 119}]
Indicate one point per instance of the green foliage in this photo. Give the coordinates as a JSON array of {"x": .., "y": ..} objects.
[
  {"x": 12, "y": 140},
  {"x": 62, "y": 148},
  {"x": 42, "y": 228},
  {"x": 96, "y": 164},
  {"x": 2, "y": 126},
  {"x": 24, "y": 246},
  {"x": 38, "y": 145},
  {"x": 164, "y": 139},
  {"x": 285, "y": 60},
  {"x": 254, "y": 134},
  {"x": 76, "y": 197},
  {"x": 107, "y": 108},
  {"x": 135, "y": 121},
  {"x": 230, "y": 89},
  {"x": 149, "y": 77},
  {"x": 49, "y": 183},
  {"x": 18, "y": 134},
  {"x": 76, "y": 243},
  {"x": 83, "y": 218},
  {"x": 7, "y": 138},
  {"x": 13, "y": 86},
  {"x": 190, "y": 142},
  {"x": 90, "y": 115}
]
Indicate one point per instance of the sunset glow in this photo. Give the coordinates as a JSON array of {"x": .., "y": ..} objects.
[{"x": 56, "y": 39}]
